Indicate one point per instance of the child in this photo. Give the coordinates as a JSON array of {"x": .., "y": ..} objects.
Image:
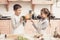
[
  {"x": 16, "y": 20},
  {"x": 43, "y": 22}
]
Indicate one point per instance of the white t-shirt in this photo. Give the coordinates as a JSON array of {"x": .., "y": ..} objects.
[
  {"x": 41, "y": 25},
  {"x": 17, "y": 26},
  {"x": 15, "y": 21}
]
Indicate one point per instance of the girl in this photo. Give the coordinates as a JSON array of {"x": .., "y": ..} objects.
[{"x": 43, "y": 22}]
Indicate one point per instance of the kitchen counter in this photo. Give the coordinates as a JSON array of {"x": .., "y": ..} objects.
[
  {"x": 56, "y": 19},
  {"x": 14, "y": 37},
  {"x": 5, "y": 18},
  {"x": 5, "y": 25}
]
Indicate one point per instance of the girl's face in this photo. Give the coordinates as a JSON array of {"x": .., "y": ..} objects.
[{"x": 43, "y": 15}]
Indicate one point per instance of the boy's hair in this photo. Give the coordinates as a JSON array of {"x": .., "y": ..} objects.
[{"x": 16, "y": 6}]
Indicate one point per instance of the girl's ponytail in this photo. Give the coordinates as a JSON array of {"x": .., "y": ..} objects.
[{"x": 47, "y": 12}]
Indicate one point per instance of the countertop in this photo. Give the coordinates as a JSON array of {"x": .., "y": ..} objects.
[{"x": 5, "y": 18}]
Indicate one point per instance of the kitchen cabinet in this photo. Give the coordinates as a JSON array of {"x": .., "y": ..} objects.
[
  {"x": 42, "y": 1},
  {"x": 3, "y": 1},
  {"x": 5, "y": 26},
  {"x": 19, "y": 0},
  {"x": 55, "y": 26},
  {"x": 29, "y": 28}
]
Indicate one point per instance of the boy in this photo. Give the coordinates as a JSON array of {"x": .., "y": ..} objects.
[{"x": 16, "y": 19}]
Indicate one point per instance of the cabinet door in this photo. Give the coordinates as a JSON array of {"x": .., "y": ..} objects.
[
  {"x": 29, "y": 28},
  {"x": 3, "y": 2},
  {"x": 55, "y": 24},
  {"x": 42, "y": 1},
  {"x": 5, "y": 26}
]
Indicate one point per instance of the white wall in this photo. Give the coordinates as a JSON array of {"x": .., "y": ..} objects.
[
  {"x": 26, "y": 6},
  {"x": 56, "y": 10},
  {"x": 39, "y": 7},
  {"x": 2, "y": 9}
]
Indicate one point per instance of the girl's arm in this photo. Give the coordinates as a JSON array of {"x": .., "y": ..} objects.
[{"x": 35, "y": 25}]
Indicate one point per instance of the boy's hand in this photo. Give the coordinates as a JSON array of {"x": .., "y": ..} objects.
[
  {"x": 21, "y": 20},
  {"x": 31, "y": 20}
]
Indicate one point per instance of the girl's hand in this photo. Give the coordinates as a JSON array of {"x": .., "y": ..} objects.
[{"x": 38, "y": 35}]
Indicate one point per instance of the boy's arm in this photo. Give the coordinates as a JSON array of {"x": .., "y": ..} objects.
[{"x": 13, "y": 23}]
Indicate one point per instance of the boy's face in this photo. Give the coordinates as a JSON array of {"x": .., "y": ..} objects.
[{"x": 18, "y": 11}]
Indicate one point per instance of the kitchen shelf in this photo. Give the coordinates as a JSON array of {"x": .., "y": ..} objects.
[
  {"x": 19, "y": 0},
  {"x": 42, "y": 2},
  {"x": 3, "y": 2},
  {"x": 12, "y": 0},
  {"x": 25, "y": 0}
]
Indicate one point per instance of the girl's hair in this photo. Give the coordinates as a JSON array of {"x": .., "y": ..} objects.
[{"x": 46, "y": 11}]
